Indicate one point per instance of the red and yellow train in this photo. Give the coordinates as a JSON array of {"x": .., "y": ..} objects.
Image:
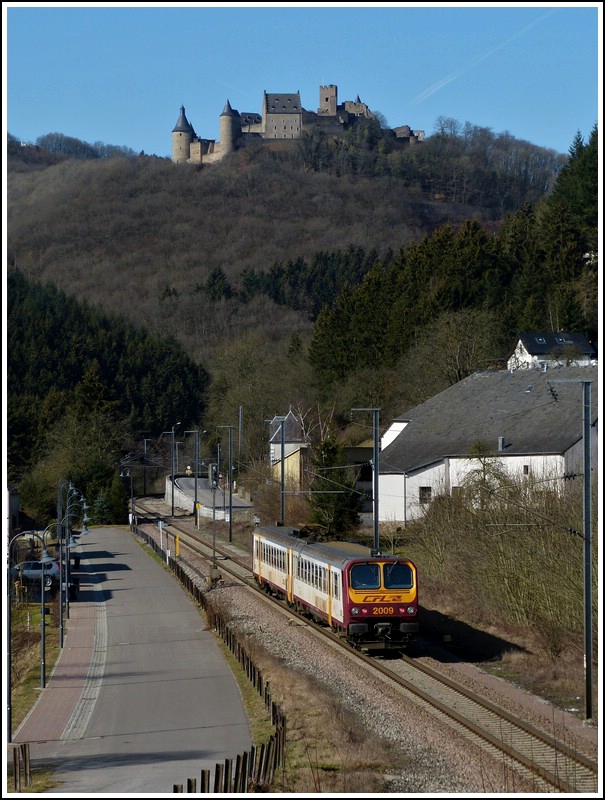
[{"x": 370, "y": 599}]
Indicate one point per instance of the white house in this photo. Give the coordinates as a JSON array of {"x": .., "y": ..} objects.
[
  {"x": 531, "y": 420},
  {"x": 543, "y": 350},
  {"x": 288, "y": 448}
]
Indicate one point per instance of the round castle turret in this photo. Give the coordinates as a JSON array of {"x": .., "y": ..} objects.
[
  {"x": 182, "y": 136},
  {"x": 230, "y": 128}
]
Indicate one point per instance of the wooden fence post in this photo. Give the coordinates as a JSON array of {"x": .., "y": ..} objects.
[{"x": 205, "y": 781}]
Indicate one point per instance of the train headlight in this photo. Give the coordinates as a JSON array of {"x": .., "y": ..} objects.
[
  {"x": 411, "y": 610},
  {"x": 354, "y": 610}
]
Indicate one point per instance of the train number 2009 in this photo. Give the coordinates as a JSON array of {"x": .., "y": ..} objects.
[{"x": 384, "y": 610}]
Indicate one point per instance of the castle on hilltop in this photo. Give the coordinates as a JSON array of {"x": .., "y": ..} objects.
[{"x": 283, "y": 119}]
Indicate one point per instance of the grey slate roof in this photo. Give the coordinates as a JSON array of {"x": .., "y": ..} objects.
[
  {"x": 228, "y": 111},
  {"x": 292, "y": 430},
  {"x": 251, "y": 118},
  {"x": 538, "y": 344},
  {"x": 518, "y": 406},
  {"x": 283, "y": 103},
  {"x": 182, "y": 124}
]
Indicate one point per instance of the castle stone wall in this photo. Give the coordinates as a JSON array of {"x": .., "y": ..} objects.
[
  {"x": 282, "y": 126},
  {"x": 181, "y": 143},
  {"x": 274, "y": 126}
]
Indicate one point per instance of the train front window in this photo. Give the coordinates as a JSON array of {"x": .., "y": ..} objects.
[
  {"x": 365, "y": 576},
  {"x": 398, "y": 576}
]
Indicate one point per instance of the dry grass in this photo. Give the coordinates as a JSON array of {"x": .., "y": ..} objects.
[
  {"x": 26, "y": 677},
  {"x": 328, "y": 749}
]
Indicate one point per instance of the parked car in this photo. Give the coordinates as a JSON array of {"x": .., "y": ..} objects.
[{"x": 32, "y": 571}]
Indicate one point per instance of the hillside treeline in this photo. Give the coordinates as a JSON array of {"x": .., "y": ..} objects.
[
  {"x": 147, "y": 239},
  {"x": 464, "y": 164},
  {"x": 84, "y": 386},
  {"x": 256, "y": 285},
  {"x": 459, "y": 163},
  {"x": 59, "y": 146}
]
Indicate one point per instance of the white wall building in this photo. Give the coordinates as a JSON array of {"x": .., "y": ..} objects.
[
  {"x": 544, "y": 350},
  {"x": 530, "y": 422}
]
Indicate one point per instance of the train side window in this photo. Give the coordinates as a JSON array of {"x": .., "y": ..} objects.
[
  {"x": 398, "y": 576},
  {"x": 365, "y": 576}
]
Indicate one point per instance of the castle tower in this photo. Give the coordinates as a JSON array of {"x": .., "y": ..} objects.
[
  {"x": 328, "y": 100},
  {"x": 229, "y": 129},
  {"x": 182, "y": 136}
]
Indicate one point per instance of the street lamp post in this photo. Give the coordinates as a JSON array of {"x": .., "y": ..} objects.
[
  {"x": 70, "y": 544},
  {"x": 127, "y": 473},
  {"x": 45, "y": 559},
  {"x": 72, "y": 493},
  {"x": 64, "y": 547},
  {"x": 230, "y": 476}
]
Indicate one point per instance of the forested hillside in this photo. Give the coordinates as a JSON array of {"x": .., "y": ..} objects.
[
  {"x": 328, "y": 276},
  {"x": 142, "y": 237},
  {"x": 84, "y": 386}
]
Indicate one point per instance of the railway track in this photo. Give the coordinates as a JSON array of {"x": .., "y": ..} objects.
[{"x": 541, "y": 758}]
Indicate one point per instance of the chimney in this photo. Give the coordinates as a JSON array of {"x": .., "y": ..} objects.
[{"x": 500, "y": 443}]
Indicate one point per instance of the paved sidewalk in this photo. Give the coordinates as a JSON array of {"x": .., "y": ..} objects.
[
  {"x": 141, "y": 697},
  {"x": 50, "y": 718}
]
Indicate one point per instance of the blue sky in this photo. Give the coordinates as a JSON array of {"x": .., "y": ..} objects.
[{"x": 118, "y": 73}]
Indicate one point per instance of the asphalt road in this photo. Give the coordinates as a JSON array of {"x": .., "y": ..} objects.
[{"x": 159, "y": 703}]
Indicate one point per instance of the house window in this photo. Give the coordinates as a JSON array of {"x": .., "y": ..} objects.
[
  {"x": 424, "y": 494},
  {"x": 526, "y": 469}
]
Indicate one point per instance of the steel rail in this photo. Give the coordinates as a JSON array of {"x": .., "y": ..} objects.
[{"x": 539, "y": 755}]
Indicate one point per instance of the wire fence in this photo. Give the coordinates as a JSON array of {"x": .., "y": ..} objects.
[{"x": 253, "y": 770}]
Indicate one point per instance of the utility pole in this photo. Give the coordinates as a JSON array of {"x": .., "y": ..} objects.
[
  {"x": 196, "y": 435},
  {"x": 587, "y": 552},
  {"x": 230, "y": 478},
  {"x": 587, "y": 536},
  {"x": 283, "y": 474},
  {"x": 172, "y": 465},
  {"x": 375, "y": 471},
  {"x": 145, "y": 466}
]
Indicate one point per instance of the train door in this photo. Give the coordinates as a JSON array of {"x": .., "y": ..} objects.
[{"x": 290, "y": 575}]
